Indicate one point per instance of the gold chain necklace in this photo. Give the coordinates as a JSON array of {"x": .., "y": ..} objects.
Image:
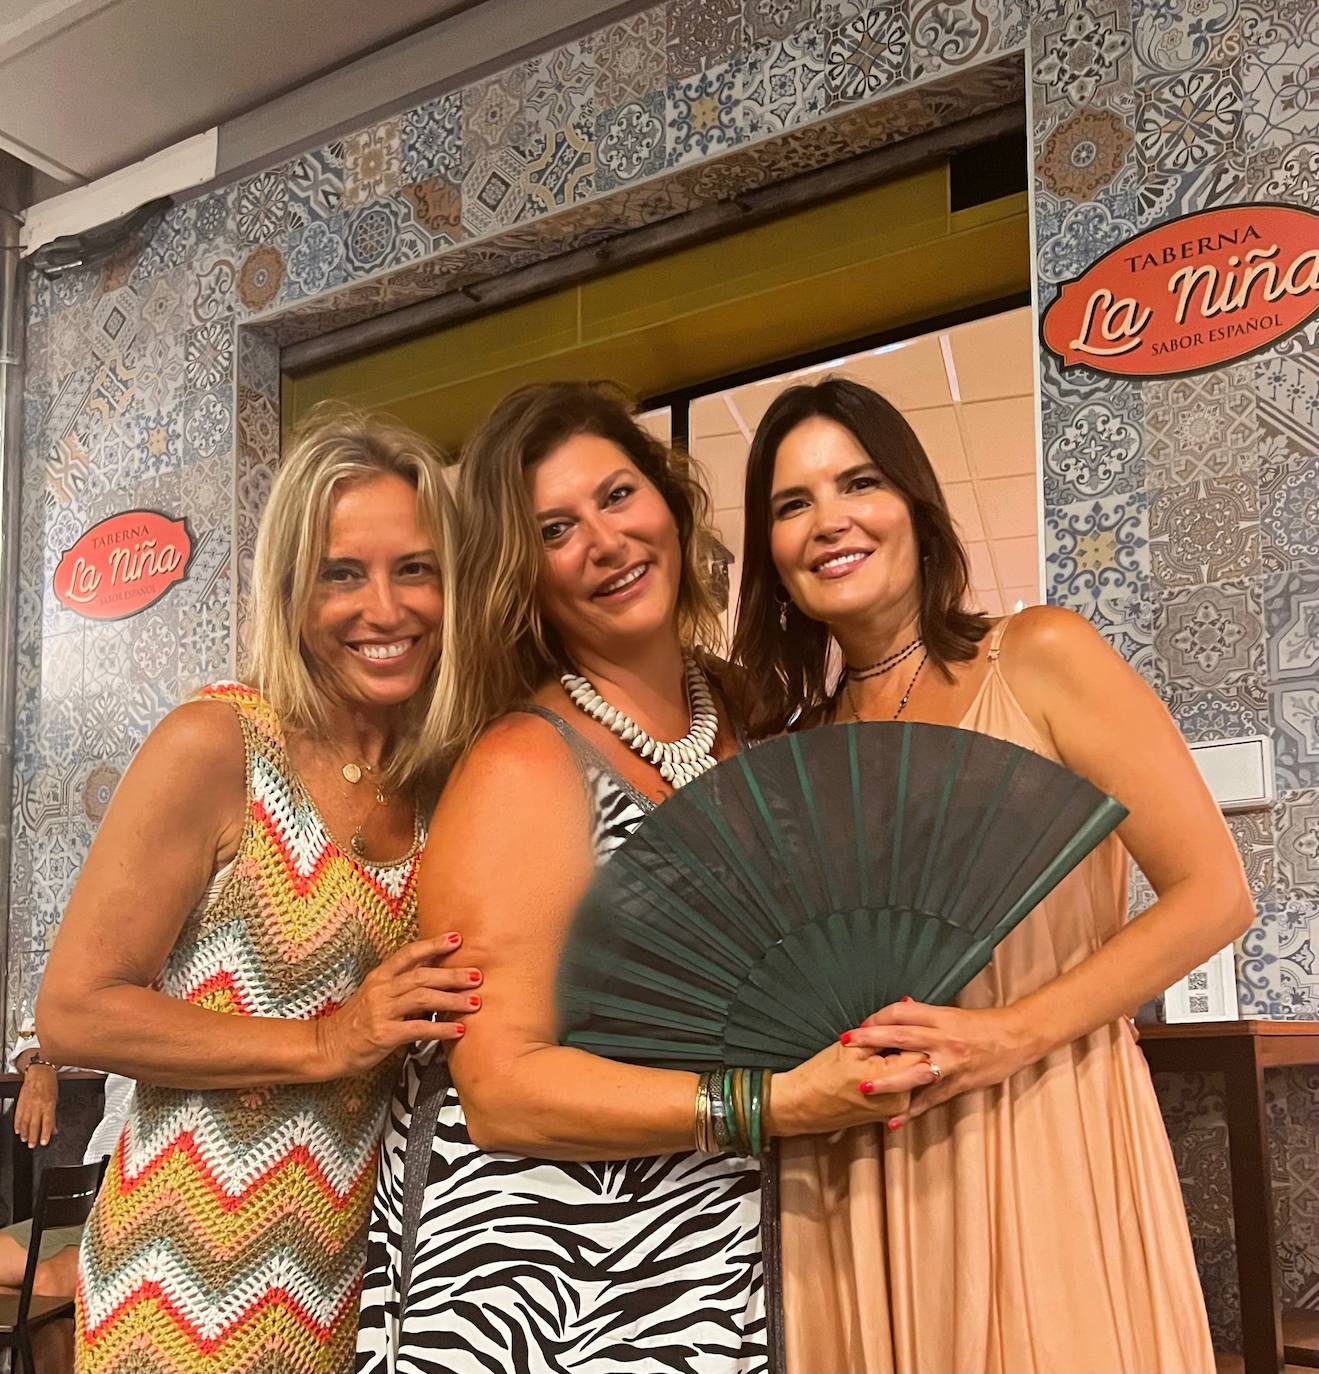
[{"x": 352, "y": 774}]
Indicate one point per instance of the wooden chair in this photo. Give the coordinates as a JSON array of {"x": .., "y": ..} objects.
[{"x": 65, "y": 1199}]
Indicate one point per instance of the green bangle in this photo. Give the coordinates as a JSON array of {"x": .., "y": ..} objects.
[
  {"x": 744, "y": 1107},
  {"x": 757, "y": 1096},
  {"x": 734, "y": 1138}
]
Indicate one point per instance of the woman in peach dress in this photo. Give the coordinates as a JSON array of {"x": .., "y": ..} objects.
[{"x": 1024, "y": 1214}]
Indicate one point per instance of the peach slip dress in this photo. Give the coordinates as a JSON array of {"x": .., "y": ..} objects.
[{"x": 1036, "y": 1227}]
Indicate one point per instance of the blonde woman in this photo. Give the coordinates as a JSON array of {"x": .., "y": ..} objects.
[
  {"x": 549, "y": 1211},
  {"x": 241, "y": 939}
]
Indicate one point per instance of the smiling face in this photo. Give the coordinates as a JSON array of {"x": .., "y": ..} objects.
[
  {"x": 372, "y": 630},
  {"x": 841, "y": 536},
  {"x": 612, "y": 563}
]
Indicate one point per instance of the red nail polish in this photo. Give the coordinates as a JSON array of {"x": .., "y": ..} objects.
[
  {"x": 459, "y": 1028},
  {"x": 894, "y": 1124},
  {"x": 473, "y": 1001},
  {"x": 453, "y": 939},
  {"x": 867, "y": 1086},
  {"x": 845, "y": 1038},
  {"x": 906, "y": 999},
  {"x": 474, "y": 977}
]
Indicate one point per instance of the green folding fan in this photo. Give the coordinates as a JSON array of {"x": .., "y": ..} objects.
[{"x": 784, "y": 896}]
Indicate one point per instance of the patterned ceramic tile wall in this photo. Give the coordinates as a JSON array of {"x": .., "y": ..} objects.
[{"x": 1182, "y": 516}]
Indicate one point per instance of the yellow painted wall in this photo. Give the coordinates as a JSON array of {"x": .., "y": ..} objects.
[{"x": 862, "y": 264}]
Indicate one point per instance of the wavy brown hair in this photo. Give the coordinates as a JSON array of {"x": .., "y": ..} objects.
[
  {"x": 499, "y": 650},
  {"x": 787, "y": 672}
]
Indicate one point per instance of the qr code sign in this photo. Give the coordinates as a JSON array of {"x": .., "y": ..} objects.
[
  {"x": 1199, "y": 1004},
  {"x": 1198, "y": 980}
]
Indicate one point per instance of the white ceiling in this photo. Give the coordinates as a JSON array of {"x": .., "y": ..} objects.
[
  {"x": 89, "y": 86},
  {"x": 968, "y": 392}
]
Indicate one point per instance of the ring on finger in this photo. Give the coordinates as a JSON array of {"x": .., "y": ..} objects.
[{"x": 935, "y": 1070}]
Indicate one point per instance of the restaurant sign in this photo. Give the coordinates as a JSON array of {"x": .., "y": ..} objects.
[
  {"x": 1191, "y": 294},
  {"x": 123, "y": 565}
]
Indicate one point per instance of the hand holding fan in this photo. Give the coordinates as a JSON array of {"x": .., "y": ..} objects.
[{"x": 781, "y": 898}]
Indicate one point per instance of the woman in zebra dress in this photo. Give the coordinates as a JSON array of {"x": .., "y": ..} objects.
[{"x": 547, "y": 1213}]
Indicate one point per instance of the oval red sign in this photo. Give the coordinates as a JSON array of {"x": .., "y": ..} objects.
[
  {"x": 123, "y": 565},
  {"x": 1191, "y": 294}
]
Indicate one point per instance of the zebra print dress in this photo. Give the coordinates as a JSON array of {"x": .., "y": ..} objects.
[{"x": 526, "y": 1266}]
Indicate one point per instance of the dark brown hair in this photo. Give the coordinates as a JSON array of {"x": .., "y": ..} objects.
[
  {"x": 787, "y": 671},
  {"x": 499, "y": 649}
]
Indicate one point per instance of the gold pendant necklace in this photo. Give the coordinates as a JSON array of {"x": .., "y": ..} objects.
[{"x": 352, "y": 773}]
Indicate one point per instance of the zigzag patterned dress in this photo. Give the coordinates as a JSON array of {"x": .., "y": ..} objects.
[
  {"x": 230, "y": 1230},
  {"x": 526, "y": 1266}
]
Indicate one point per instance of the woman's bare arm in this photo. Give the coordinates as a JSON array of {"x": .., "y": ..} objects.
[
  {"x": 507, "y": 863},
  {"x": 1108, "y": 725},
  {"x": 177, "y": 813}
]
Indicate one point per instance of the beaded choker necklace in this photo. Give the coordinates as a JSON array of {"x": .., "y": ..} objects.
[
  {"x": 885, "y": 665},
  {"x": 678, "y": 761}
]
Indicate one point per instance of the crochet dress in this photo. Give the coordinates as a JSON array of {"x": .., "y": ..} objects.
[{"x": 231, "y": 1228}]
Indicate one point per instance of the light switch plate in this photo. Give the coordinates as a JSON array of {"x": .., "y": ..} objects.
[{"x": 1239, "y": 771}]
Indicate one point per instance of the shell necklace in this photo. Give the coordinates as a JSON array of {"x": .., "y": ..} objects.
[{"x": 678, "y": 761}]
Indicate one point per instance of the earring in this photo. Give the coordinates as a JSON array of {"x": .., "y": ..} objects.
[{"x": 783, "y": 610}]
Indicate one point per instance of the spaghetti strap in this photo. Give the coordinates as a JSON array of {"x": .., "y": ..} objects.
[
  {"x": 996, "y": 638},
  {"x": 589, "y": 760}
]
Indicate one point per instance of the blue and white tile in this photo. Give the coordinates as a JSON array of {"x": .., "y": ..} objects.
[
  {"x": 1178, "y": 35},
  {"x": 431, "y": 139},
  {"x": 629, "y": 142},
  {"x": 1294, "y": 709},
  {"x": 1086, "y": 233},
  {"x": 315, "y": 185},
  {"x": 261, "y": 207},
  {"x": 315, "y": 258},
  {"x": 1188, "y": 122},
  {"x": 376, "y": 237},
  {"x": 208, "y": 423},
  {"x": 1098, "y": 549},
  {"x": 1296, "y": 832},
  {"x": 785, "y": 82},
  {"x": 1082, "y": 51},
  {"x": 1226, "y": 712},
  {"x": 956, "y": 33},
  {"x": 1094, "y": 449},
  {"x": 1291, "y": 607},
  {"x": 1277, "y": 977},
  {"x": 705, "y": 115},
  {"x": 1279, "y": 81}
]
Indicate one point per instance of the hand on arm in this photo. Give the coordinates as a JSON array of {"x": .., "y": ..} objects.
[
  {"x": 176, "y": 815},
  {"x": 38, "y": 1098},
  {"x": 508, "y": 862},
  {"x": 1108, "y": 726}
]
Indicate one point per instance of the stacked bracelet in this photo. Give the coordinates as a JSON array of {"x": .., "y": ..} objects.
[{"x": 731, "y": 1111}]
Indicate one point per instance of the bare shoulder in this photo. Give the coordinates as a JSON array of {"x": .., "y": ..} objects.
[
  {"x": 519, "y": 759},
  {"x": 1052, "y": 641},
  {"x": 202, "y": 738}
]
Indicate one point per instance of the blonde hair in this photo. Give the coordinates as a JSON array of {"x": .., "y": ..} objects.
[
  {"x": 499, "y": 650},
  {"x": 335, "y": 444}
]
